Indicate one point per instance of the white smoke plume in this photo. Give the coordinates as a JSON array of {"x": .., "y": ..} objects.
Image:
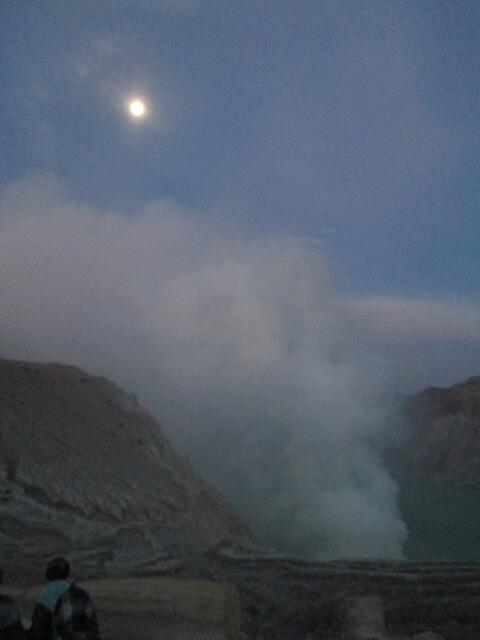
[{"x": 238, "y": 346}]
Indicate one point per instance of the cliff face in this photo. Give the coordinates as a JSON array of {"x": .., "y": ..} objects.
[
  {"x": 85, "y": 472},
  {"x": 445, "y": 433}
]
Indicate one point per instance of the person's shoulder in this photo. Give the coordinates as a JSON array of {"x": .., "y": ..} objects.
[
  {"x": 74, "y": 592},
  {"x": 76, "y": 587},
  {"x": 51, "y": 592},
  {"x": 44, "y": 594}
]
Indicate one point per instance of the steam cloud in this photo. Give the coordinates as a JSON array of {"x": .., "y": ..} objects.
[{"x": 239, "y": 347}]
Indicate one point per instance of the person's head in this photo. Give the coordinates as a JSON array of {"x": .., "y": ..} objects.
[{"x": 58, "y": 569}]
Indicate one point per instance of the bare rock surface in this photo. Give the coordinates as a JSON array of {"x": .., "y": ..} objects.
[
  {"x": 361, "y": 617},
  {"x": 205, "y": 606},
  {"x": 85, "y": 472},
  {"x": 284, "y": 597},
  {"x": 445, "y": 433}
]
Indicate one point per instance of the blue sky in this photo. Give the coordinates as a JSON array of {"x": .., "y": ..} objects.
[{"x": 352, "y": 126}]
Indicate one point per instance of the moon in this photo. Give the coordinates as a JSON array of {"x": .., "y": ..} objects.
[{"x": 137, "y": 108}]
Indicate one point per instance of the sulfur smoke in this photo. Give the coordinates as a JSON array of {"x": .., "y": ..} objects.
[{"x": 239, "y": 346}]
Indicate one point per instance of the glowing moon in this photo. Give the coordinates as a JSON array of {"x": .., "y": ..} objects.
[{"x": 137, "y": 108}]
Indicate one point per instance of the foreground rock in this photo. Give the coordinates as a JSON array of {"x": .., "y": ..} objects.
[
  {"x": 86, "y": 473},
  {"x": 284, "y": 598},
  {"x": 360, "y": 617}
]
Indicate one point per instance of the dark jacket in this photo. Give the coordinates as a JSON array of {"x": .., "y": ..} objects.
[{"x": 11, "y": 627}]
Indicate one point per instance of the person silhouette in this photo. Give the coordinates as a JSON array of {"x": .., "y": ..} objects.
[{"x": 63, "y": 610}]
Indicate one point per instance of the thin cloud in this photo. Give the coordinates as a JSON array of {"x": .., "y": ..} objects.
[{"x": 401, "y": 319}]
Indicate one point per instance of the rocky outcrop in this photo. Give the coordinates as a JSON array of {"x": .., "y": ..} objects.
[
  {"x": 444, "y": 426},
  {"x": 360, "y": 617},
  {"x": 284, "y": 598},
  {"x": 85, "y": 472}
]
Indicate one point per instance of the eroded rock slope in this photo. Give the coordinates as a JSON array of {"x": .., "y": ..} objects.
[
  {"x": 445, "y": 433},
  {"x": 84, "y": 471}
]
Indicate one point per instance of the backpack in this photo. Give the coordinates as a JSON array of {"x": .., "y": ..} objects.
[{"x": 74, "y": 617}]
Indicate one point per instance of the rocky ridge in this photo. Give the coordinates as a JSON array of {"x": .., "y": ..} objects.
[
  {"x": 444, "y": 426},
  {"x": 85, "y": 472}
]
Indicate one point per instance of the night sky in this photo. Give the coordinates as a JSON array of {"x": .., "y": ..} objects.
[
  {"x": 353, "y": 124},
  {"x": 350, "y": 126}
]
